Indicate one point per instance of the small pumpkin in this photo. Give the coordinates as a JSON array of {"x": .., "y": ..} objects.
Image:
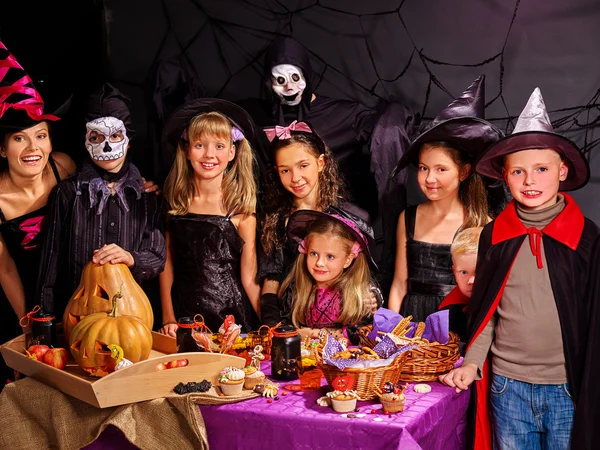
[
  {"x": 92, "y": 337},
  {"x": 98, "y": 286}
]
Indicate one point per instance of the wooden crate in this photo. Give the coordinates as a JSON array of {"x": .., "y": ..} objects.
[{"x": 135, "y": 383}]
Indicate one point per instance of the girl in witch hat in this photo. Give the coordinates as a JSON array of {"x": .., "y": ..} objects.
[
  {"x": 456, "y": 199},
  {"x": 330, "y": 278},
  {"x": 211, "y": 194},
  {"x": 533, "y": 329},
  {"x": 103, "y": 214},
  {"x": 28, "y": 172}
]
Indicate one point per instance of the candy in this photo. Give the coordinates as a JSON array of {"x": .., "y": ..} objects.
[{"x": 186, "y": 388}]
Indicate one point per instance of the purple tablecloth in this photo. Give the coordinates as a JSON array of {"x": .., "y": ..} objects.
[{"x": 432, "y": 421}]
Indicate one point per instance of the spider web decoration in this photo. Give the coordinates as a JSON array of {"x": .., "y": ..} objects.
[{"x": 420, "y": 53}]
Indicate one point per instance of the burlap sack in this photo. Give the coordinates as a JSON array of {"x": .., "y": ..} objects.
[{"x": 37, "y": 416}]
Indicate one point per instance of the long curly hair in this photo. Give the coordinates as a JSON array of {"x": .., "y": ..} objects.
[
  {"x": 471, "y": 192},
  {"x": 353, "y": 283},
  {"x": 238, "y": 186},
  {"x": 278, "y": 202}
]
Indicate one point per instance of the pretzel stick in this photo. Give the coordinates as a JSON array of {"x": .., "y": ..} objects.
[
  {"x": 420, "y": 329},
  {"x": 401, "y": 328},
  {"x": 378, "y": 392}
]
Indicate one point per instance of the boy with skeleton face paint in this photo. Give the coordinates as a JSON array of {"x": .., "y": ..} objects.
[{"x": 101, "y": 214}]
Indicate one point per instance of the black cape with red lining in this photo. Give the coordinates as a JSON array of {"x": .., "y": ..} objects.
[{"x": 568, "y": 243}]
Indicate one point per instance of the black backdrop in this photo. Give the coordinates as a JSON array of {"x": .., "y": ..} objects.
[{"x": 418, "y": 52}]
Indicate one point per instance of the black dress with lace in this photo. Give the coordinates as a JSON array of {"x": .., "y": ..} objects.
[
  {"x": 430, "y": 276},
  {"x": 207, "y": 253},
  {"x": 23, "y": 237}
]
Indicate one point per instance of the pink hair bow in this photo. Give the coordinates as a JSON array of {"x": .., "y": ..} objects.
[{"x": 284, "y": 132}]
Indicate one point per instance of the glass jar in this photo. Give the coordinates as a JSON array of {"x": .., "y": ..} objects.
[
  {"x": 43, "y": 329},
  {"x": 185, "y": 341},
  {"x": 285, "y": 353}
]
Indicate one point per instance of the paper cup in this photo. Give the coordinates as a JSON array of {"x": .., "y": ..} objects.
[
  {"x": 249, "y": 383},
  {"x": 232, "y": 388},
  {"x": 393, "y": 407},
  {"x": 343, "y": 406}
]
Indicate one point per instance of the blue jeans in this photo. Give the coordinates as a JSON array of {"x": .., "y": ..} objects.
[{"x": 531, "y": 416}]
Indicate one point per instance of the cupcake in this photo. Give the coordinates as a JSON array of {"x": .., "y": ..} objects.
[
  {"x": 392, "y": 402},
  {"x": 392, "y": 397},
  {"x": 343, "y": 401},
  {"x": 253, "y": 377},
  {"x": 231, "y": 380}
]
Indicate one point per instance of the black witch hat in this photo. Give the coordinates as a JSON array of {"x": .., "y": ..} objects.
[
  {"x": 461, "y": 123},
  {"x": 181, "y": 118}
]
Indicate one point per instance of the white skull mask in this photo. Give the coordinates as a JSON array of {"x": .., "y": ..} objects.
[
  {"x": 106, "y": 139},
  {"x": 288, "y": 83}
]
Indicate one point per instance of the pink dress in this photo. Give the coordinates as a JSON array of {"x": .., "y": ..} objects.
[{"x": 325, "y": 310}]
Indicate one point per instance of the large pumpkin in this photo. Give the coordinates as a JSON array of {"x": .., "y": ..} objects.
[
  {"x": 91, "y": 337},
  {"x": 98, "y": 285}
]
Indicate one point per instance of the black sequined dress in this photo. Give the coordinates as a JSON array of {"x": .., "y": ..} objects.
[
  {"x": 430, "y": 276},
  {"x": 206, "y": 253}
]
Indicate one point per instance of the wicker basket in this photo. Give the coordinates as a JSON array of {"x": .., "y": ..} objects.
[
  {"x": 365, "y": 379},
  {"x": 430, "y": 360}
]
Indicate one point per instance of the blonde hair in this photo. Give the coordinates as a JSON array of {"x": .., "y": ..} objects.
[
  {"x": 466, "y": 242},
  {"x": 353, "y": 283},
  {"x": 238, "y": 186}
]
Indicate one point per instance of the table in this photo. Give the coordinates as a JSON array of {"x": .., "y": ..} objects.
[{"x": 432, "y": 421}]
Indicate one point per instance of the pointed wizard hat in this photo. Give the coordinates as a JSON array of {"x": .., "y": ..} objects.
[
  {"x": 461, "y": 123},
  {"x": 534, "y": 131},
  {"x": 21, "y": 105}
]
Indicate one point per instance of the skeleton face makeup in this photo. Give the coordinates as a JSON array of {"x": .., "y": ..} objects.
[
  {"x": 288, "y": 83},
  {"x": 106, "y": 139}
]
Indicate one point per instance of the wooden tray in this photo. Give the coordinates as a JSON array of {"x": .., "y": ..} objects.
[{"x": 135, "y": 383}]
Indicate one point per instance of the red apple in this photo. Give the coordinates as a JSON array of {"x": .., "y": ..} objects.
[
  {"x": 172, "y": 364},
  {"x": 161, "y": 366},
  {"x": 37, "y": 351},
  {"x": 182, "y": 362},
  {"x": 56, "y": 357}
]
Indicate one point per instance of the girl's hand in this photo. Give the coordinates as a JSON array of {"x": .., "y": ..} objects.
[
  {"x": 460, "y": 378},
  {"x": 151, "y": 186},
  {"x": 170, "y": 329},
  {"x": 113, "y": 254},
  {"x": 311, "y": 333}
]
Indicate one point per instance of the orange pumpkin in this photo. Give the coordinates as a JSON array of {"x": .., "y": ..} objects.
[
  {"x": 91, "y": 336},
  {"x": 97, "y": 287}
]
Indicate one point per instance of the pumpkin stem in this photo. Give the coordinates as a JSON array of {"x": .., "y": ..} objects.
[{"x": 115, "y": 311}]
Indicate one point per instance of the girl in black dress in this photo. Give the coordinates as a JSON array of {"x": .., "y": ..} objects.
[
  {"x": 456, "y": 199},
  {"x": 211, "y": 194}
]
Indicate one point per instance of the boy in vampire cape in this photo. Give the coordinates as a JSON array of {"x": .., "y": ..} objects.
[{"x": 530, "y": 319}]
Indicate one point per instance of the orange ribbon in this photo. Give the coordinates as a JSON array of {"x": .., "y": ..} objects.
[{"x": 30, "y": 318}]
